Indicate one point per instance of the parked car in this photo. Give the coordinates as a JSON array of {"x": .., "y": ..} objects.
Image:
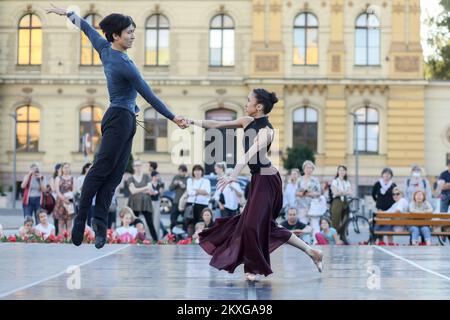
[{"x": 168, "y": 195}]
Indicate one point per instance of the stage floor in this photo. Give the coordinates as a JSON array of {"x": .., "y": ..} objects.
[{"x": 40, "y": 271}]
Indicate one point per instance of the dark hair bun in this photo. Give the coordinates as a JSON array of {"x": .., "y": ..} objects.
[{"x": 273, "y": 97}]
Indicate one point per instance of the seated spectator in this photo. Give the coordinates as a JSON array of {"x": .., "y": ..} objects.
[
  {"x": 327, "y": 235},
  {"x": 420, "y": 205},
  {"x": 207, "y": 222},
  {"x": 44, "y": 229},
  {"x": 135, "y": 222},
  {"x": 126, "y": 233},
  {"x": 27, "y": 229},
  {"x": 400, "y": 206},
  {"x": 294, "y": 225}
]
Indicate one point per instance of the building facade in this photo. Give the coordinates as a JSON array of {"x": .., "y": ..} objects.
[{"x": 324, "y": 59}]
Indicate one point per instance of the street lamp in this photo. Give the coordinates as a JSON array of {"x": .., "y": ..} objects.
[
  {"x": 14, "y": 116},
  {"x": 356, "y": 150}
]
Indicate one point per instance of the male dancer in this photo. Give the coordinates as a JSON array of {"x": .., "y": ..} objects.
[{"x": 118, "y": 123}]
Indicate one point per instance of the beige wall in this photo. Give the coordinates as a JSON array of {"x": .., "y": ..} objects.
[{"x": 263, "y": 55}]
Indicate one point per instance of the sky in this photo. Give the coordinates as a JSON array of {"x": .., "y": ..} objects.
[{"x": 428, "y": 8}]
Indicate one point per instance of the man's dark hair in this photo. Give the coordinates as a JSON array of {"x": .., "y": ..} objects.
[
  {"x": 85, "y": 168},
  {"x": 183, "y": 168},
  {"x": 115, "y": 23},
  {"x": 153, "y": 165}
]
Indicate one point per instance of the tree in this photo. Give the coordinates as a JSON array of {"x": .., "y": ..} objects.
[
  {"x": 437, "y": 66},
  {"x": 296, "y": 156}
]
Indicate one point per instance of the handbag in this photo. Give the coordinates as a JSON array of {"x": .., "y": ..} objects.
[
  {"x": 189, "y": 211},
  {"x": 48, "y": 202},
  {"x": 318, "y": 207}
]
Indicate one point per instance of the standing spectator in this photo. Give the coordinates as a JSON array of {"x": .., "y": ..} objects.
[
  {"x": 179, "y": 183},
  {"x": 341, "y": 191},
  {"x": 156, "y": 189},
  {"x": 289, "y": 195},
  {"x": 33, "y": 185},
  {"x": 327, "y": 234},
  {"x": 219, "y": 170},
  {"x": 229, "y": 199},
  {"x": 78, "y": 187},
  {"x": 53, "y": 187},
  {"x": 112, "y": 211},
  {"x": 382, "y": 194},
  {"x": 444, "y": 187},
  {"x": 27, "y": 229},
  {"x": 308, "y": 189},
  {"x": 1, "y": 231},
  {"x": 140, "y": 201},
  {"x": 64, "y": 209},
  {"x": 420, "y": 205},
  {"x": 417, "y": 182},
  {"x": 44, "y": 229},
  {"x": 198, "y": 189},
  {"x": 294, "y": 225}
]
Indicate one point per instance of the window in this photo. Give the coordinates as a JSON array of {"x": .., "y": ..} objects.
[
  {"x": 30, "y": 40},
  {"x": 157, "y": 41},
  {"x": 367, "y": 40},
  {"x": 155, "y": 127},
  {"x": 28, "y": 128},
  {"x": 368, "y": 130},
  {"x": 90, "y": 128},
  {"x": 305, "y": 128},
  {"x": 306, "y": 29},
  {"x": 89, "y": 56},
  {"x": 221, "y": 41}
]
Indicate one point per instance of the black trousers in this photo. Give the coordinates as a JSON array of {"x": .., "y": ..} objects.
[{"x": 118, "y": 129}]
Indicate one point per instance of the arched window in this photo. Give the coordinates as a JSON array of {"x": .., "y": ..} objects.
[
  {"x": 28, "y": 127},
  {"x": 306, "y": 42},
  {"x": 90, "y": 128},
  {"x": 89, "y": 56},
  {"x": 305, "y": 128},
  {"x": 155, "y": 127},
  {"x": 221, "y": 41},
  {"x": 30, "y": 40},
  {"x": 367, "y": 40},
  {"x": 157, "y": 41},
  {"x": 368, "y": 129}
]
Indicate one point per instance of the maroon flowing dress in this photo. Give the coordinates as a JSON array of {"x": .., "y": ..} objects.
[{"x": 251, "y": 236}]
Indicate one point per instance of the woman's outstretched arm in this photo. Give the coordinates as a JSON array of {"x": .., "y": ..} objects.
[
  {"x": 98, "y": 42},
  {"x": 214, "y": 124}
]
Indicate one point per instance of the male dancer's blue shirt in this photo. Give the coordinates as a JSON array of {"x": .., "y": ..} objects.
[{"x": 122, "y": 76}]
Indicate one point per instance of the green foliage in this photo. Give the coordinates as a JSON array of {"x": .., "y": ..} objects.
[{"x": 296, "y": 156}]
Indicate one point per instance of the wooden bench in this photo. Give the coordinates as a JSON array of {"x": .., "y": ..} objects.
[{"x": 411, "y": 219}]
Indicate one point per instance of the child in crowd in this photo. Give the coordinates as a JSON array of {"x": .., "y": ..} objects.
[
  {"x": 44, "y": 229},
  {"x": 327, "y": 235},
  {"x": 27, "y": 229},
  {"x": 127, "y": 232}
]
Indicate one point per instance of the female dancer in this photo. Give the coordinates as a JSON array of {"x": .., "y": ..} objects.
[
  {"x": 118, "y": 123},
  {"x": 250, "y": 237}
]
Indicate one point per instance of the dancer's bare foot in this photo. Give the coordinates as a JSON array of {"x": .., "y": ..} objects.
[
  {"x": 251, "y": 277},
  {"x": 317, "y": 257}
]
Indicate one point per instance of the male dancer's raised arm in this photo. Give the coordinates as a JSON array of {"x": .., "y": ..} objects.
[{"x": 98, "y": 42}]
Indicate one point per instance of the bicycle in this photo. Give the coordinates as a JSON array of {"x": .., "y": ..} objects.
[{"x": 355, "y": 226}]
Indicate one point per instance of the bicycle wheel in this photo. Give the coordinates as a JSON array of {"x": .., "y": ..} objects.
[
  {"x": 444, "y": 240},
  {"x": 356, "y": 230}
]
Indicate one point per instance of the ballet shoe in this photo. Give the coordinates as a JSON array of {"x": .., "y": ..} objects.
[
  {"x": 78, "y": 231},
  {"x": 317, "y": 257},
  {"x": 251, "y": 277},
  {"x": 100, "y": 234}
]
